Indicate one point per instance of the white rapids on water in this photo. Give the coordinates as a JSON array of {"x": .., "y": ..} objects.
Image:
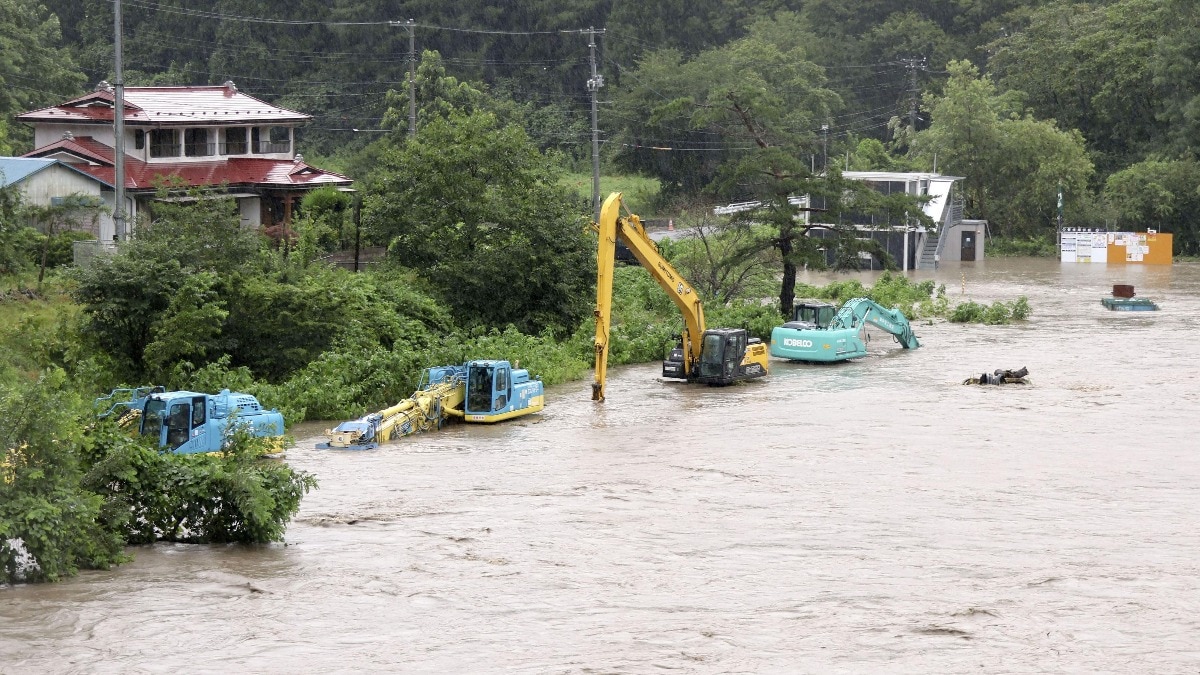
[{"x": 873, "y": 516}]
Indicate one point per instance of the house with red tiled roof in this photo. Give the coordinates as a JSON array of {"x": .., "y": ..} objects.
[{"x": 210, "y": 138}]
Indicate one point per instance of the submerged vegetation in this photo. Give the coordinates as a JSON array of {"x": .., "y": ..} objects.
[
  {"x": 921, "y": 300},
  {"x": 74, "y": 491}
]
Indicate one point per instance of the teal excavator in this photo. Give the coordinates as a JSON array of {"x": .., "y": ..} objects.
[{"x": 821, "y": 332}]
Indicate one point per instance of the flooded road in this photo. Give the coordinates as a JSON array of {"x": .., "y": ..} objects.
[{"x": 874, "y": 516}]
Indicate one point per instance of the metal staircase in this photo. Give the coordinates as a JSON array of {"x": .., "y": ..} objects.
[{"x": 928, "y": 252}]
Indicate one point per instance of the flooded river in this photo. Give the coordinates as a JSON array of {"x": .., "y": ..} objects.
[{"x": 874, "y": 516}]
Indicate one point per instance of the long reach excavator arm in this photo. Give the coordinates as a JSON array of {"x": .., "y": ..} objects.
[
  {"x": 718, "y": 356},
  {"x": 856, "y": 311}
]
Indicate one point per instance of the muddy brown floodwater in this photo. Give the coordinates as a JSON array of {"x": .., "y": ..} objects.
[{"x": 874, "y": 516}]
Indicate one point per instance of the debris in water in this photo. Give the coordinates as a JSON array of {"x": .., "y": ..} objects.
[{"x": 1000, "y": 376}]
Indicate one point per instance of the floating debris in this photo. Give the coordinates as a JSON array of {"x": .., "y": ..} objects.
[{"x": 1000, "y": 376}]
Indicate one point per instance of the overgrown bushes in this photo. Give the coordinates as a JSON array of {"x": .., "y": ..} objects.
[
  {"x": 74, "y": 491},
  {"x": 232, "y": 497},
  {"x": 998, "y": 312},
  {"x": 920, "y": 300},
  {"x": 1041, "y": 245}
]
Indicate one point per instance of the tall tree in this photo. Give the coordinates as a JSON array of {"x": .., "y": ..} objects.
[
  {"x": 474, "y": 208},
  {"x": 1012, "y": 164},
  {"x": 1121, "y": 72},
  {"x": 685, "y": 118},
  {"x": 1161, "y": 195},
  {"x": 35, "y": 69},
  {"x": 760, "y": 104}
]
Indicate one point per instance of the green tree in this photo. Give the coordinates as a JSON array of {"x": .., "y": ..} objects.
[
  {"x": 16, "y": 238},
  {"x": 126, "y": 296},
  {"x": 478, "y": 212},
  {"x": 1162, "y": 195},
  {"x": 724, "y": 102},
  {"x": 49, "y": 525},
  {"x": 232, "y": 496},
  {"x": 764, "y": 101},
  {"x": 34, "y": 66},
  {"x": 1121, "y": 72},
  {"x": 725, "y": 262},
  {"x": 75, "y": 212},
  {"x": 438, "y": 95},
  {"x": 189, "y": 329},
  {"x": 1012, "y": 164}
]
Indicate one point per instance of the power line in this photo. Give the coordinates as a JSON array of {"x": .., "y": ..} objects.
[{"x": 291, "y": 22}]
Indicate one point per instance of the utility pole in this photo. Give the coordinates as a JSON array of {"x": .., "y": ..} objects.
[
  {"x": 412, "y": 87},
  {"x": 593, "y": 86},
  {"x": 913, "y": 65},
  {"x": 119, "y": 229},
  {"x": 410, "y": 26}
]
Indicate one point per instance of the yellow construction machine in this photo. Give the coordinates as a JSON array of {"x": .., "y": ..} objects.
[{"x": 715, "y": 356}]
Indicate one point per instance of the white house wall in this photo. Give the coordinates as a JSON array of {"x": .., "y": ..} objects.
[
  {"x": 939, "y": 193},
  {"x": 58, "y": 181},
  {"x": 45, "y": 134}
]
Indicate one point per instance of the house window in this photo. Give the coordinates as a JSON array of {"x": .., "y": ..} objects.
[
  {"x": 164, "y": 143},
  {"x": 139, "y": 139},
  {"x": 235, "y": 141},
  {"x": 195, "y": 143},
  {"x": 273, "y": 139}
]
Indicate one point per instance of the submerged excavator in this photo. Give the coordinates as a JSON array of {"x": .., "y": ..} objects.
[
  {"x": 482, "y": 391},
  {"x": 821, "y": 332},
  {"x": 714, "y": 356}
]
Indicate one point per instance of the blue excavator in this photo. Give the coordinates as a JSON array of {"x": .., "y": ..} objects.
[
  {"x": 822, "y": 333},
  {"x": 189, "y": 422},
  {"x": 481, "y": 391}
]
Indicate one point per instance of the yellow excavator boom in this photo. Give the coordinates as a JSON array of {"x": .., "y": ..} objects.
[{"x": 630, "y": 230}]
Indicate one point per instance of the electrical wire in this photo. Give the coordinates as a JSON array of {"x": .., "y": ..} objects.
[{"x": 158, "y": 7}]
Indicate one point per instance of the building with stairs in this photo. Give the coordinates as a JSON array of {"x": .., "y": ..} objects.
[{"x": 911, "y": 244}]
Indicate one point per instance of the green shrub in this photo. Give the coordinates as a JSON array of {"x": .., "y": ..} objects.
[
  {"x": 916, "y": 300},
  {"x": 50, "y": 525},
  {"x": 230, "y": 497},
  {"x": 1042, "y": 245},
  {"x": 998, "y": 312}
]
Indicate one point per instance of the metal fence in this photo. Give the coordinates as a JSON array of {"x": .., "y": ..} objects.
[
  {"x": 84, "y": 252},
  {"x": 367, "y": 258}
]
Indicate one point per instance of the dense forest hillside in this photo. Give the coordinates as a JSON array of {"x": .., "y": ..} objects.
[{"x": 1118, "y": 77}]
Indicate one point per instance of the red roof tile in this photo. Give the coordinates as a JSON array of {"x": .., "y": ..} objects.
[
  {"x": 232, "y": 172},
  {"x": 166, "y": 106}
]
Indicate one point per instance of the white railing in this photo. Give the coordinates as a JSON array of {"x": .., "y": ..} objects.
[{"x": 739, "y": 207}]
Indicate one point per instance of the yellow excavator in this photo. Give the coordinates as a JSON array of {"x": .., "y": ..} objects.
[{"x": 715, "y": 356}]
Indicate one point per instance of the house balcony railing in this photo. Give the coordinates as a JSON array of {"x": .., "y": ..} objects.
[{"x": 267, "y": 147}]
